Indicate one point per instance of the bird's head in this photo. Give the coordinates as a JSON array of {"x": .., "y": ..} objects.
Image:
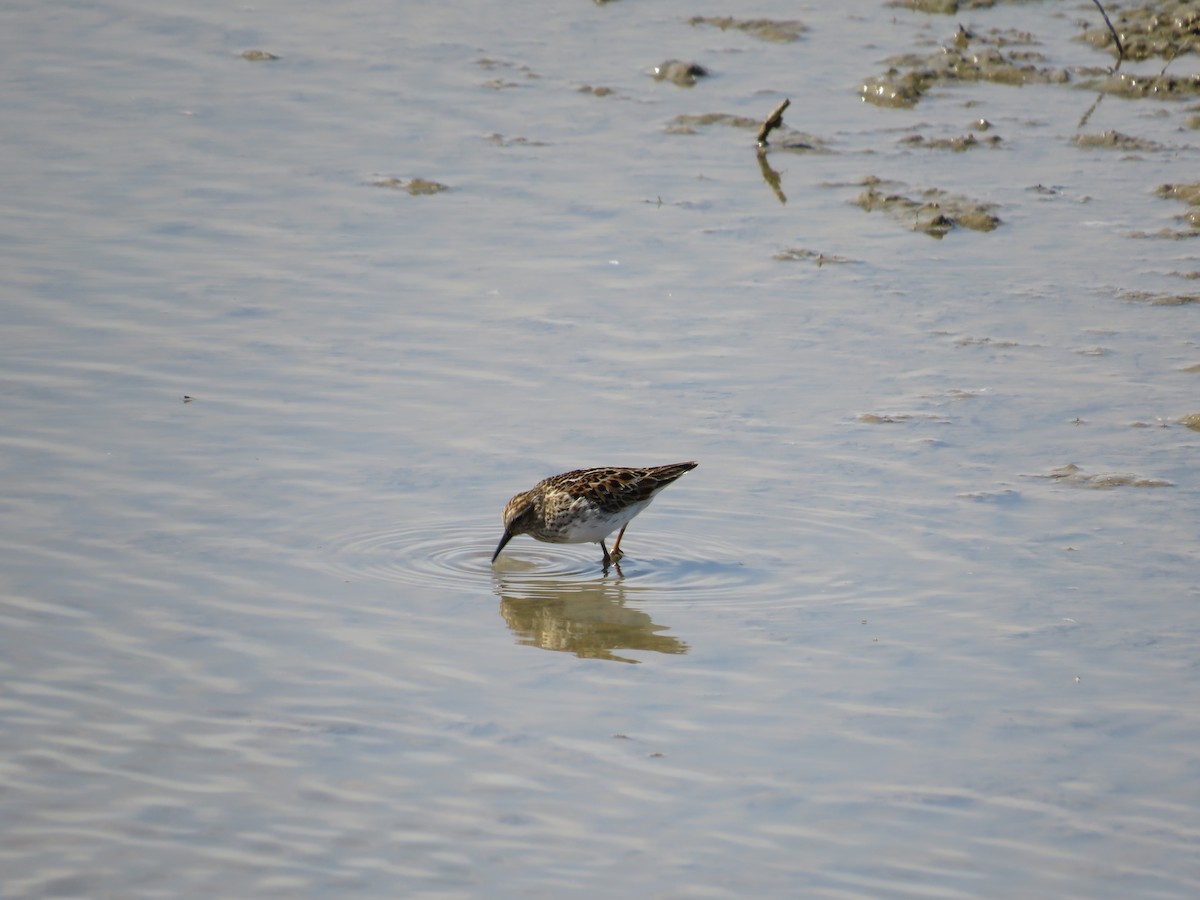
[{"x": 518, "y": 518}]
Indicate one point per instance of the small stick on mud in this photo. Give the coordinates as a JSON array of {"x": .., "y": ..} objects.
[{"x": 771, "y": 122}]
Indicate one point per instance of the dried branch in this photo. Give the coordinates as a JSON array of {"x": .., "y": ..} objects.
[{"x": 771, "y": 122}]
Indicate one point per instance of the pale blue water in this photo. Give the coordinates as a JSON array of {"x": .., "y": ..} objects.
[{"x": 252, "y": 644}]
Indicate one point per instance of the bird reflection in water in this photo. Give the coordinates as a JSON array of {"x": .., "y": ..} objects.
[{"x": 589, "y": 620}]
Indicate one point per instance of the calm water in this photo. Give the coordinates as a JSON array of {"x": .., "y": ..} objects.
[{"x": 878, "y": 644}]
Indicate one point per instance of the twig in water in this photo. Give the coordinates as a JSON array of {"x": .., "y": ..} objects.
[
  {"x": 1120, "y": 59},
  {"x": 1116, "y": 37},
  {"x": 771, "y": 122}
]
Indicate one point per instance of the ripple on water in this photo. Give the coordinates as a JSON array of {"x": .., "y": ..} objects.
[
  {"x": 751, "y": 560},
  {"x": 452, "y": 556}
]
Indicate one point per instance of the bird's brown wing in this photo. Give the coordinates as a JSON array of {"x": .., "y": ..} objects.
[{"x": 615, "y": 488}]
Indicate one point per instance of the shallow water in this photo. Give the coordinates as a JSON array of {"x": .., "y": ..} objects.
[{"x": 880, "y": 643}]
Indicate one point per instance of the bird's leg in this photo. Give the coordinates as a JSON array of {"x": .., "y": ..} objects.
[
  {"x": 610, "y": 561},
  {"x": 616, "y": 550}
]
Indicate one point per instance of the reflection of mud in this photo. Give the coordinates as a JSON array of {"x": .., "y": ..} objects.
[
  {"x": 590, "y": 621},
  {"x": 936, "y": 213}
]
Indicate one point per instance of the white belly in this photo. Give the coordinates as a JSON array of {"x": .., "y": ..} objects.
[{"x": 589, "y": 526}]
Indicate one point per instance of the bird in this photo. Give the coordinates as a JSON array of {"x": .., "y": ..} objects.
[{"x": 586, "y": 505}]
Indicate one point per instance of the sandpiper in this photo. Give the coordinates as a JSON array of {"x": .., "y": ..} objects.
[{"x": 586, "y": 505}]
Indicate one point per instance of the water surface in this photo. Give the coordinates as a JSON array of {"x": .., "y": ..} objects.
[{"x": 262, "y": 408}]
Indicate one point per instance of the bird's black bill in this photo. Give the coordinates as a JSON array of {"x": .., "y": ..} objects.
[{"x": 504, "y": 540}]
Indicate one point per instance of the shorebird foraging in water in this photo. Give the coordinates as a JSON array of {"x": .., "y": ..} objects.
[{"x": 586, "y": 505}]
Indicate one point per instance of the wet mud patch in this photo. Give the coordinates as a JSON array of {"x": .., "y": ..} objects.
[
  {"x": 1152, "y": 299},
  {"x": 1165, "y": 234},
  {"x": 1074, "y": 475},
  {"x": 1191, "y": 421},
  {"x": 258, "y": 56},
  {"x": 780, "y": 31},
  {"x": 688, "y": 123},
  {"x": 1052, "y": 191},
  {"x": 1189, "y": 194},
  {"x": 933, "y": 211},
  {"x": 1115, "y": 140},
  {"x": 928, "y": 409},
  {"x": 501, "y": 141},
  {"x": 951, "y": 396},
  {"x": 957, "y": 144},
  {"x": 1005, "y": 495},
  {"x": 800, "y": 254},
  {"x": 416, "y": 187},
  {"x": 499, "y": 84},
  {"x": 800, "y": 142},
  {"x": 1165, "y": 29},
  {"x": 900, "y": 418},
  {"x": 968, "y": 341},
  {"x": 1136, "y": 87},
  {"x": 941, "y": 7},
  {"x": 596, "y": 90},
  {"x": 677, "y": 71},
  {"x": 969, "y": 56},
  {"x": 786, "y": 138}
]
